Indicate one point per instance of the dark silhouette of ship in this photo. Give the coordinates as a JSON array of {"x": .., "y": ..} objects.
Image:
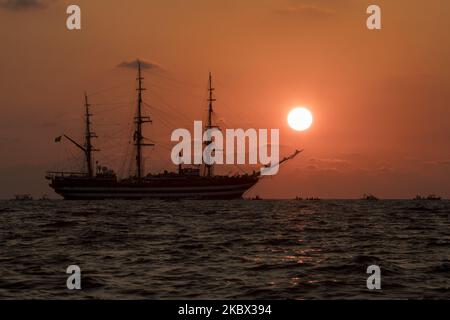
[{"x": 188, "y": 183}]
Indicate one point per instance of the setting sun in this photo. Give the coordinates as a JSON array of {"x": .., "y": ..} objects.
[{"x": 300, "y": 119}]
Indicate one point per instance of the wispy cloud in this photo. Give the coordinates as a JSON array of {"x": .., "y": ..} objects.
[
  {"x": 18, "y": 5},
  {"x": 438, "y": 162},
  {"x": 146, "y": 65},
  {"x": 305, "y": 10}
]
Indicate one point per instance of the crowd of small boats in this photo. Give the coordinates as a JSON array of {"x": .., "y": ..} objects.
[{"x": 431, "y": 197}]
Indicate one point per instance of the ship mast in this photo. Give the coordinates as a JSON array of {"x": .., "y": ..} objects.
[
  {"x": 87, "y": 148},
  {"x": 209, "y": 124},
  {"x": 88, "y": 137},
  {"x": 139, "y": 120}
]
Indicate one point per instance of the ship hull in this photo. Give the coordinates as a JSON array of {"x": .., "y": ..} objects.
[
  {"x": 234, "y": 192},
  {"x": 72, "y": 189}
]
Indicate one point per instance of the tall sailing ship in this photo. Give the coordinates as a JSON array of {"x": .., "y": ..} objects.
[{"x": 186, "y": 183}]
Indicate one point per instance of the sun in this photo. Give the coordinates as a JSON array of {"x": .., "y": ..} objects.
[{"x": 300, "y": 119}]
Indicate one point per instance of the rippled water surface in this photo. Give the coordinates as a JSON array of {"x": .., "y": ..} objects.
[{"x": 225, "y": 249}]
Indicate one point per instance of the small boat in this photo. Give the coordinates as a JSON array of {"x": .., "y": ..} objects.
[
  {"x": 431, "y": 197},
  {"x": 369, "y": 197},
  {"x": 313, "y": 199},
  {"x": 298, "y": 198},
  {"x": 23, "y": 197},
  {"x": 256, "y": 198}
]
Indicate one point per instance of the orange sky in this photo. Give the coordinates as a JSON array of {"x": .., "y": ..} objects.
[{"x": 380, "y": 98}]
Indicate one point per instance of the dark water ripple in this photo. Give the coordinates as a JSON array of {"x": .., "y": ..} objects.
[{"x": 225, "y": 249}]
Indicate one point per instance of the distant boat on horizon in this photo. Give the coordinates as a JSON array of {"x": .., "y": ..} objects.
[
  {"x": 369, "y": 197},
  {"x": 23, "y": 197},
  {"x": 431, "y": 197}
]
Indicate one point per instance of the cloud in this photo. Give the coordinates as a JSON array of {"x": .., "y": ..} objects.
[
  {"x": 438, "y": 163},
  {"x": 305, "y": 10},
  {"x": 329, "y": 163},
  {"x": 17, "y": 5},
  {"x": 145, "y": 65}
]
